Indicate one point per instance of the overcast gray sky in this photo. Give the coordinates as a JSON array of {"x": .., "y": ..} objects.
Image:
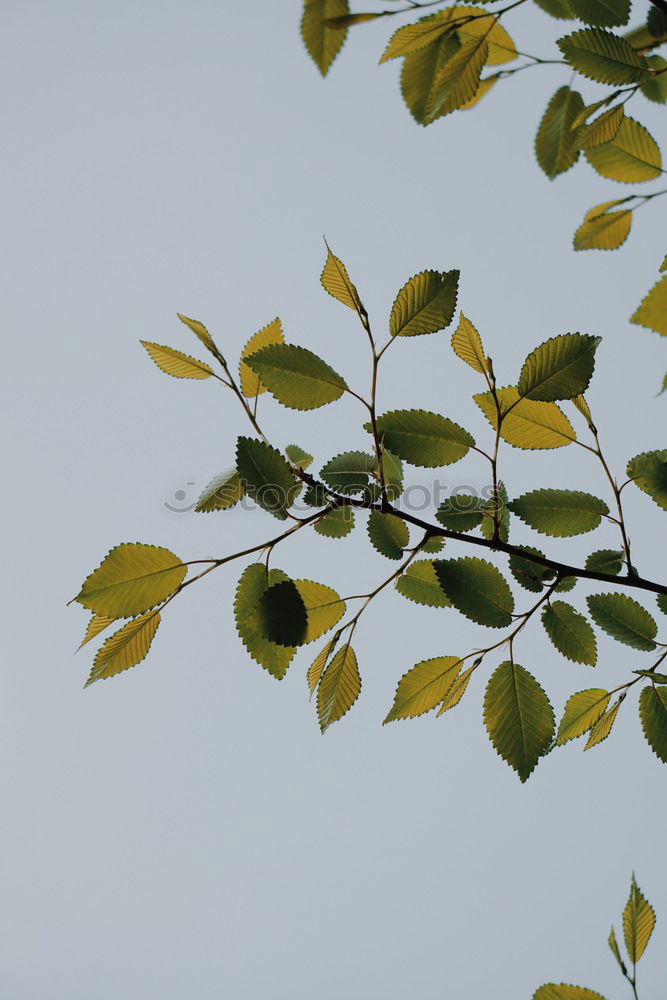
[{"x": 184, "y": 830}]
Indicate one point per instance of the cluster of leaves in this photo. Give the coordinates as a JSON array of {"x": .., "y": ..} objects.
[
  {"x": 451, "y": 59},
  {"x": 638, "y": 922},
  {"x": 276, "y": 615}
]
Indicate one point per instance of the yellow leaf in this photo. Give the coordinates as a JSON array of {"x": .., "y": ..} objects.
[
  {"x": 603, "y": 230},
  {"x": 652, "y": 312},
  {"x": 467, "y": 344},
  {"x": 423, "y": 687},
  {"x": 339, "y": 687},
  {"x": 583, "y": 408},
  {"x": 602, "y": 728},
  {"x": 323, "y": 43},
  {"x": 501, "y": 46},
  {"x": 457, "y": 690},
  {"x": 131, "y": 579},
  {"x": 176, "y": 363},
  {"x": 336, "y": 281},
  {"x": 319, "y": 663},
  {"x": 324, "y": 607},
  {"x": 96, "y": 625},
  {"x": 638, "y": 923},
  {"x": 528, "y": 423},
  {"x": 125, "y": 648},
  {"x": 202, "y": 334},
  {"x": 458, "y": 80},
  {"x": 485, "y": 86},
  {"x": 251, "y": 385},
  {"x": 412, "y": 37}
]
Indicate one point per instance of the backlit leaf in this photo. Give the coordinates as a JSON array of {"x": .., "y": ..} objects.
[
  {"x": 602, "y": 229},
  {"x": 202, "y": 334},
  {"x": 653, "y": 714},
  {"x": 655, "y": 89},
  {"x": 652, "y": 312},
  {"x": 336, "y": 281},
  {"x": 125, "y": 648},
  {"x": 251, "y": 385},
  {"x": 337, "y": 523},
  {"x": 347, "y": 20},
  {"x": 477, "y": 589},
  {"x": 623, "y": 619},
  {"x": 413, "y": 37},
  {"x": 582, "y": 711},
  {"x": 297, "y": 377},
  {"x": 423, "y": 687},
  {"x": 603, "y": 56},
  {"x": 603, "y": 13},
  {"x": 638, "y": 923},
  {"x": 457, "y": 690},
  {"x": 556, "y": 8},
  {"x": 518, "y": 717},
  {"x": 388, "y": 534},
  {"x": 603, "y": 727},
  {"x": 319, "y": 663},
  {"x": 467, "y": 344},
  {"x": 280, "y": 615},
  {"x": 339, "y": 687},
  {"x": 423, "y": 438},
  {"x": 501, "y": 46},
  {"x": 298, "y": 456},
  {"x": 421, "y": 69},
  {"x": 96, "y": 625},
  {"x": 131, "y": 579},
  {"x": 462, "y": 512},
  {"x": 615, "y": 950},
  {"x": 425, "y": 304},
  {"x": 324, "y": 608},
  {"x": 459, "y": 79},
  {"x": 392, "y": 470},
  {"x": 419, "y": 583},
  {"x": 221, "y": 493},
  {"x": 570, "y": 633},
  {"x": 560, "y": 513},
  {"x": 562, "y": 991},
  {"x": 485, "y": 85},
  {"x": 632, "y": 156},
  {"x": 560, "y": 368},
  {"x": 556, "y": 141},
  {"x": 529, "y": 574},
  {"x": 323, "y": 43},
  {"x": 487, "y": 526},
  {"x": 253, "y": 583},
  {"x": 605, "y": 561},
  {"x": 603, "y": 129},
  {"x": 526, "y": 423},
  {"x": 348, "y": 473},
  {"x": 266, "y": 476},
  {"x": 176, "y": 363}
]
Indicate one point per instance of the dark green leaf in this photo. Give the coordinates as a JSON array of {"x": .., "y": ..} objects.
[
  {"x": 649, "y": 472},
  {"x": 570, "y": 633},
  {"x": 555, "y": 143},
  {"x": 653, "y": 714},
  {"x": 266, "y": 476},
  {"x": 560, "y": 368},
  {"x": 388, "y": 534},
  {"x": 280, "y": 615},
  {"x": 655, "y": 89},
  {"x": 348, "y": 473},
  {"x": 603, "y": 56},
  {"x": 337, "y": 523},
  {"x": 623, "y": 619},
  {"x": 605, "y": 561},
  {"x": 518, "y": 717},
  {"x": 477, "y": 589},
  {"x": 253, "y": 583},
  {"x": 423, "y": 438},
  {"x": 603, "y": 13},
  {"x": 530, "y": 575}
]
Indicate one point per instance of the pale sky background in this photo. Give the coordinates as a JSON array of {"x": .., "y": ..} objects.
[{"x": 184, "y": 830}]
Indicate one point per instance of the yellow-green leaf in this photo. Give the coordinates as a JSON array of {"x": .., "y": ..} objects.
[
  {"x": 388, "y": 534},
  {"x": 563, "y": 991},
  {"x": 556, "y": 140},
  {"x": 221, "y": 493},
  {"x": 254, "y": 582},
  {"x": 202, "y": 334},
  {"x": 323, "y": 43},
  {"x": 125, "y": 648},
  {"x": 319, "y": 663},
  {"x": 272, "y": 333},
  {"x": 638, "y": 923},
  {"x": 603, "y": 129},
  {"x": 420, "y": 71},
  {"x": 339, "y": 687},
  {"x": 613, "y": 944},
  {"x": 582, "y": 711},
  {"x": 96, "y": 625},
  {"x": 423, "y": 687},
  {"x": 132, "y": 578},
  {"x": 467, "y": 344},
  {"x": 324, "y": 608},
  {"x": 457, "y": 690},
  {"x": 602, "y": 229},
  {"x": 297, "y": 377},
  {"x": 518, "y": 717},
  {"x": 602, "y": 728},
  {"x": 425, "y": 304},
  {"x": 412, "y": 37},
  {"x": 560, "y": 368},
  {"x": 423, "y": 438},
  {"x": 336, "y": 281},
  {"x": 336, "y": 523},
  {"x": 175, "y": 363},
  {"x": 420, "y": 584},
  {"x": 603, "y": 56},
  {"x": 652, "y": 312},
  {"x": 481, "y": 24},
  {"x": 632, "y": 156},
  {"x": 459, "y": 79},
  {"x": 526, "y": 423},
  {"x": 570, "y": 632},
  {"x": 347, "y": 20},
  {"x": 653, "y": 715}
]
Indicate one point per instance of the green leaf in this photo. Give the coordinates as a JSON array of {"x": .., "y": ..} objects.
[
  {"x": 175, "y": 363},
  {"x": 423, "y": 438},
  {"x": 297, "y": 377},
  {"x": 202, "y": 335},
  {"x": 324, "y": 608},
  {"x": 425, "y": 304},
  {"x": 96, "y": 625},
  {"x": 420, "y": 584},
  {"x": 251, "y": 384},
  {"x": 420, "y": 71},
  {"x": 253, "y": 583},
  {"x": 518, "y": 717},
  {"x": 603, "y": 13},
  {"x": 602, "y": 229},
  {"x": 570, "y": 633},
  {"x": 467, "y": 345},
  {"x": 423, "y": 687},
  {"x": 632, "y": 156},
  {"x": 298, "y": 456},
  {"x": 556, "y": 8},
  {"x": 566, "y": 584},
  {"x": 638, "y": 923},
  {"x": 560, "y": 368},
  {"x": 662, "y": 602},
  {"x": 656, "y": 22},
  {"x": 477, "y": 589},
  {"x": 348, "y": 473},
  {"x": 530, "y": 575},
  {"x": 280, "y": 615},
  {"x": 336, "y": 281},
  {"x": 501, "y": 505},
  {"x": 603, "y": 727},
  {"x": 556, "y": 141},
  {"x": 459, "y": 79},
  {"x": 603, "y": 56},
  {"x": 562, "y": 991},
  {"x": 338, "y": 523},
  {"x": 526, "y": 423},
  {"x": 582, "y": 711},
  {"x": 559, "y": 513},
  {"x": 392, "y": 470},
  {"x": 653, "y": 714},
  {"x": 655, "y": 89},
  {"x": 649, "y": 472},
  {"x": 623, "y": 619},
  {"x": 339, "y": 687},
  {"x": 323, "y": 43},
  {"x": 388, "y": 534},
  {"x": 221, "y": 493},
  {"x": 652, "y": 313},
  {"x": 131, "y": 579},
  {"x": 433, "y": 545},
  {"x": 462, "y": 512},
  {"x": 125, "y": 648},
  {"x": 605, "y": 561},
  {"x": 603, "y": 129},
  {"x": 457, "y": 690},
  {"x": 266, "y": 476}
]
